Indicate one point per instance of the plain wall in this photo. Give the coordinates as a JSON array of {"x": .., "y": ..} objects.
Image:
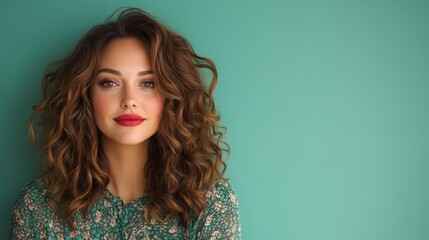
[{"x": 326, "y": 105}]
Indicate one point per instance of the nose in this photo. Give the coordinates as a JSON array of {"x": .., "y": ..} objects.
[{"x": 129, "y": 98}]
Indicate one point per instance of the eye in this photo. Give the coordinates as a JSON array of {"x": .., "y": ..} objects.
[
  {"x": 148, "y": 84},
  {"x": 106, "y": 83}
]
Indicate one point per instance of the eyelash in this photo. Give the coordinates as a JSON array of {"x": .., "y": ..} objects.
[{"x": 104, "y": 83}]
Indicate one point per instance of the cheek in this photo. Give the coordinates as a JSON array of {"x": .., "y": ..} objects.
[
  {"x": 155, "y": 105},
  {"x": 101, "y": 104}
]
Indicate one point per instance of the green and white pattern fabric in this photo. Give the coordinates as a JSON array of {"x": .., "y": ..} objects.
[{"x": 109, "y": 218}]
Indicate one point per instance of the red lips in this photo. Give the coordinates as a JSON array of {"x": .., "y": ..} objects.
[{"x": 129, "y": 120}]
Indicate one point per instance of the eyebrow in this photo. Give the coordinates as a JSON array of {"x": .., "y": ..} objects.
[{"x": 116, "y": 72}]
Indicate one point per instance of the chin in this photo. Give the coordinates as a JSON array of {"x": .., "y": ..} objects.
[
  {"x": 134, "y": 138},
  {"x": 132, "y": 141}
]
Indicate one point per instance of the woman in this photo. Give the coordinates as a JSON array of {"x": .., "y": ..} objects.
[{"x": 131, "y": 140}]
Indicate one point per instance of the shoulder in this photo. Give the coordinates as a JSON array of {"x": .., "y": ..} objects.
[
  {"x": 32, "y": 198},
  {"x": 33, "y": 192},
  {"x": 222, "y": 191},
  {"x": 36, "y": 186},
  {"x": 29, "y": 210},
  {"x": 220, "y": 220}
]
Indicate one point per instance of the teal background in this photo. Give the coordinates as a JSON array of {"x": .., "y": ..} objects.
[{"x": 326, "y": 105}]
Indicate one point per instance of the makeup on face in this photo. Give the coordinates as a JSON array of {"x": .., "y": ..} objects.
[{"x": 129, "y": 120}]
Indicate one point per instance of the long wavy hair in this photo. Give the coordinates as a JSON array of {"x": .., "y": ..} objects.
[{"x": 184, "y": 156}]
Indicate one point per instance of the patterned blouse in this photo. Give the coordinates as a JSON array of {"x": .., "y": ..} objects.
[{"x": 110, "y": 218}]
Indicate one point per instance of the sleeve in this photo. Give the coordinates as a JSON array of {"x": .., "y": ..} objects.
[
  {"x": 221, "y": 219},
  {"x": 25, "y": 220}
]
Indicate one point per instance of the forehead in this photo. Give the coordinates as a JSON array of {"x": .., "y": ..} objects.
[{"x": 124, "y": 52}]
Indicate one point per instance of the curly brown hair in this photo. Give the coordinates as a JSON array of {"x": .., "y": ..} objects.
[{"x": 184, "y": 156}]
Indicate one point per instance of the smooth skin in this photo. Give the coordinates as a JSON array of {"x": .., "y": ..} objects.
[{"x": 124, "y": 85}]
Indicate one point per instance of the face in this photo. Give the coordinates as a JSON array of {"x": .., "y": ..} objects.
[{"x": 127, "y": 107}]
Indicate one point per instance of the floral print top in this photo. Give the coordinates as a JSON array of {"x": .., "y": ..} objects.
[{"x": 110, "y": 218}]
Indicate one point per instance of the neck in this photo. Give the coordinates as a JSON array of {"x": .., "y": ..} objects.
[{"x": 126, "y": 168}]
